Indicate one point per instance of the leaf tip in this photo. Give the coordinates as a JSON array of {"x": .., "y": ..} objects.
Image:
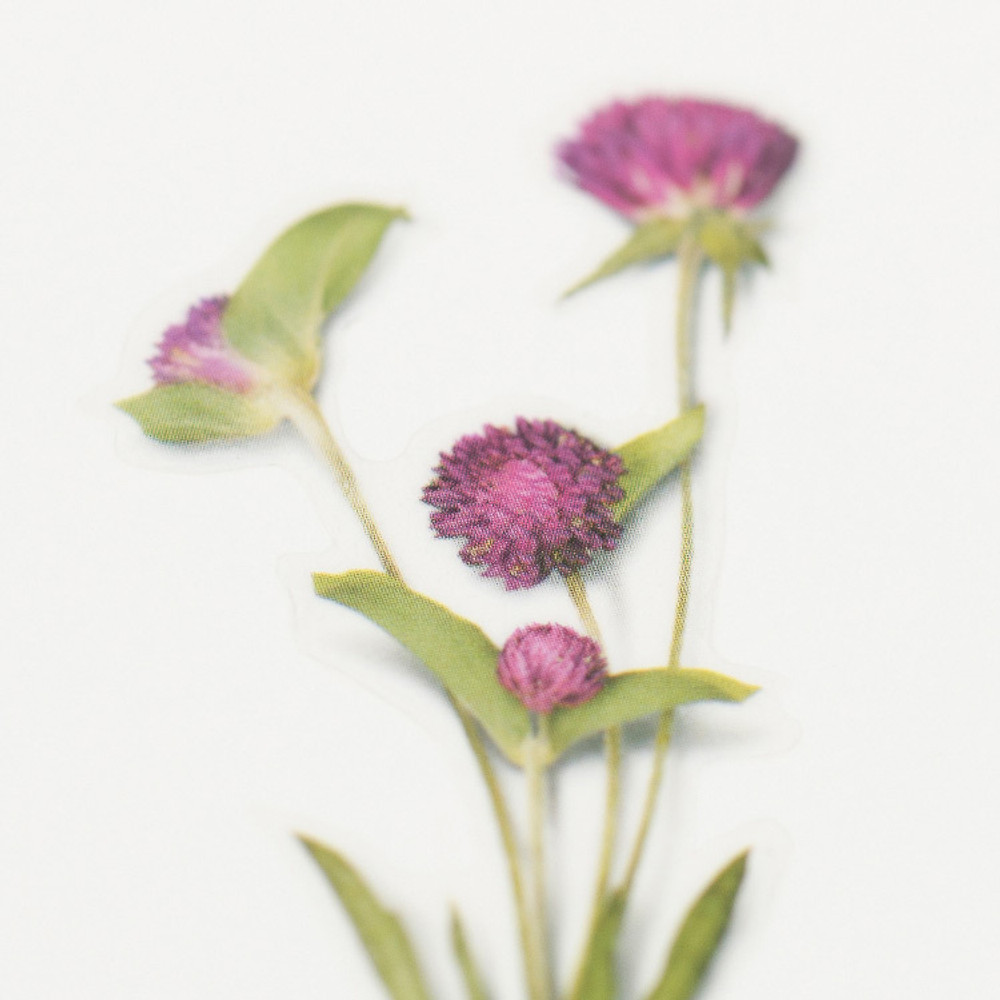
[{"x": 578, "y": 287}]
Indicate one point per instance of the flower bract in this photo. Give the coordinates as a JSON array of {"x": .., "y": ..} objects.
[
  {"x": 660, "y": 157},
  {"x": 551, "y": 666},
  {"x": 527, "y": 501},
  {"x": 197, "y": 351}
]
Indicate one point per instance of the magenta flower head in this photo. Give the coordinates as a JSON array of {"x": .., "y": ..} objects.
[
  {"x": 657, "y": 157},
  {"x": 551, "y": 666},
  {"x": 197, "y": 351},
  {"x": 528, "y": 501}
]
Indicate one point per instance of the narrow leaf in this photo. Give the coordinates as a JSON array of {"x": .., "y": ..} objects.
[
  {"x": 380, "y": 929},
  {"x": 654, "y": 455},
  {"x": 728, "y": 297},
  {"x": 473, "y": 981},
  {"x": 597, "y": 978},
  {"x": 274, "y": 318},
  {"x": 700, "y": 934},
  {"x": 732, "y": 243},
  {"x": 649, "y": 241},
  {"x": 456, "y": 650},
  {"x": 190, "y": 412},
  {"x": 633, "y": 695}
]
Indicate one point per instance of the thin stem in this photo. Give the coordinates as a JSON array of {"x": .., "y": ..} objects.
[
  {"x": 535, "y": 768},
  {"x": 537, "y": 984},
  {"x": 578, "y": 592},
  {"x": 663, "y": 733},
  {"x": 301, "y": 409},
  {"x": 690, "y": 260},
  {"x": 613, "y": 752}
]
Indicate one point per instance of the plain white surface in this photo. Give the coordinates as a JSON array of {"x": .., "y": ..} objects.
[{"x": 173, "y": 701}]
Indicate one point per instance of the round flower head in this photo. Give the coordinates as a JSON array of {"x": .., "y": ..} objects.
[
  {"x": 551, "y": 666},
  {"x": 659, "y": 157},
  {"x": 527, "y": 501},
  {"x": 197, "y": 351}
]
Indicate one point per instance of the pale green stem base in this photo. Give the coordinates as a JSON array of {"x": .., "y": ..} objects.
[
  {"x": 301, "y": 409},
  {"x": 540, "y": 975}
]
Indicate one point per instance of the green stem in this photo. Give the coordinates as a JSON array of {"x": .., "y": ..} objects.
[
  {"x": 690, "y": 260},
  {"x": 534, "y": 966},
  {"x": 535, "y": 768},
  {"x": 613, "y": 752},
  {"x": 578, "y": 592},
  {"x": 301, "y": 409}
]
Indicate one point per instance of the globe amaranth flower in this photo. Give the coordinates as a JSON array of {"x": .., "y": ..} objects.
[
  {"x": 197, "y": 351},
  {"x": 659, "y": 157},
  {"x": 551, "y": 666},
  {"x": 527, "y": 501}
]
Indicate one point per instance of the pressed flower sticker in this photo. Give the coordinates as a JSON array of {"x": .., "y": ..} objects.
[
  {"x": 527, "y": 501},
  {"x": 682, "y": 170}
]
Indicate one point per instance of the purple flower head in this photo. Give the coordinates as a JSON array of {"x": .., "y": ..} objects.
[
  {"x": 658, "y": 157},
  {"x": 551, "y": 666},
  {"x": 197, "y": 351},
  {"x": 527, "y": 501}
]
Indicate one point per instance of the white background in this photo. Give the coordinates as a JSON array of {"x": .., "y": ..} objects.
[{"x": 174, "y": 702}]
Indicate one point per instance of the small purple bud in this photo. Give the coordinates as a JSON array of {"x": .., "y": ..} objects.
[
  {"x": 197, "y": 351},
  {"x": 551, "y": 666},
  {"x": 660, "y": 157}
]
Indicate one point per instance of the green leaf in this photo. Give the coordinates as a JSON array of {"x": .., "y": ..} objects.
[
  {"x": 274, "y": 317},
  {"x": 380, "y": 929},
  {"x": 473, "y": 981},
  {"x": 654, "y": 455},
  {"x": 597, "y": 978},
  {"x": 630, "y": 696},
  {"x": 732, "y": 243},
  {"x": 649, "y": 241},
  {"x": 189, "y": 412},
  {"x": 457, "y": 651},
  {"x": 700, "y": 934}
]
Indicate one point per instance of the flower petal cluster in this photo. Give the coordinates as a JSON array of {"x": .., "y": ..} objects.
[
  {"x": 528, "y": 500},
  {"x": 197, "y": 351},
  {"x": 551, "y": 666},
  {"x": 660, "y": 157}
]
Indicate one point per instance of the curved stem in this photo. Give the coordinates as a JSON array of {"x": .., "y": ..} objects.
[
  {"x": 301, "y": 409},
  {"x": 690, "y": 260},
  {"x": 661, "y": 745}
]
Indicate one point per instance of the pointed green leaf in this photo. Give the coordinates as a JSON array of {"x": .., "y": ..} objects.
[
  {"x": 654, "y": 455},
  {"x": 597, "y": 978},
  {"x": 470, "y": 974},
  {"x": 635, "y": 694},
  {"x": 380, "y": 929},
  {"x": 274, "y": 317},
  {"x": 700, "y": 934},
  {"x": 732, "y": 243},
  {"x": 457, "y": 651},
  {"x": 190, "y": 412},
  {"x": 649, "y": 241}
]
